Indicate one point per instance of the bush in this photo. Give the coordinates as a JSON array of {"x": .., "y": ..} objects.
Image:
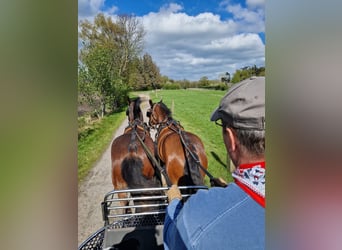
[
  {"x": 172, "y": 86},
  {"x": 86, "y": 126},
  {"x": 220, "y": 86}
]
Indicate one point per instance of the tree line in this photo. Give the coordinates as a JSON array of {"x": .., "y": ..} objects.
[
  {"x": 221, "y": 83},
  {"x": 246, "y": 72}
]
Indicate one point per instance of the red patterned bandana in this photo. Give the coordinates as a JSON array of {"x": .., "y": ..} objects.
[{"x": 251, "y": 178}]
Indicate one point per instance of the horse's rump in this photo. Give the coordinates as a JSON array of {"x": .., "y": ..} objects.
[
  {"x": 128, "y": 151},
  {"x": 180, "y": 162}
]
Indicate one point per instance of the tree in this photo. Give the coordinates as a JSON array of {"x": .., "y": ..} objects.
[
  {"x": 203, "y": 82},
  {"x": 151, "y": 72},
  {"x": 131, "y": 42},
  {"x": 236, "y": 77},
  {"x": 246, "y": 72},
  {"x": 184, "y": 83},
  {"x": 136, "y": 78},
  {"x": 97, "y": 80},
  {"x": 106, "y": 57},
  {"x": 163, "y": 80},
  {"x": 146, "y": 74}
]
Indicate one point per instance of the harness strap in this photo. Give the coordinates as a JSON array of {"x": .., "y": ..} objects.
[
  {"x": 177, "y": 128},
  {"x": 179, "y": 131},
  {"x": 194, "y": 156},
  {"x": 154, "y": 161},
  {"x": 132, "y": 146}
]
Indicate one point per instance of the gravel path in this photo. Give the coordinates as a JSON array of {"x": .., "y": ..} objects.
[{"x": 93, "y": 189}]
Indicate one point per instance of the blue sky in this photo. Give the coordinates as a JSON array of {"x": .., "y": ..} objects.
[{"x": 190, "y": 39}]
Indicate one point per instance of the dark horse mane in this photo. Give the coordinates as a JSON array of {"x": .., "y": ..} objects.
[
  {"x": 137, "y": 103},
  {"x": 165, "y": 109},
  {"x": 136, "y": 109}
]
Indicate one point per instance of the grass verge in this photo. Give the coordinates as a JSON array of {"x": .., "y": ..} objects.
[{"x": 92, "y": 146}]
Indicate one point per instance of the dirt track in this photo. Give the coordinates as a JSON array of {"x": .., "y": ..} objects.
[{"x": 95, "y": 186}]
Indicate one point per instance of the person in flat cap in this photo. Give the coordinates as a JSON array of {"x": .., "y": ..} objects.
[{"x": 231, "y": 217}]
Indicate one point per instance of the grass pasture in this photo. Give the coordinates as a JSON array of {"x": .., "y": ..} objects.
[{"x": 193, "y": 109}]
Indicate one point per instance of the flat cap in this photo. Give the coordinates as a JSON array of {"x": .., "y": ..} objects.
[{"x": 244, "y": 105}]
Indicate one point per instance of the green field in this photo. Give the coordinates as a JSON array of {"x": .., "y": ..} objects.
[{"x": 193, "y": 109}]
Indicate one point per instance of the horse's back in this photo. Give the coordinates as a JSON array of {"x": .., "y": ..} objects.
[
  {"x": 195, "y": 140},
  {"x": 121, "y": 144},
  {"x": 172, "y": 142}
]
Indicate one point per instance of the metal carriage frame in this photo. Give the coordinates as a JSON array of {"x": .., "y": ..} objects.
[{"x": 142, "y": 230}]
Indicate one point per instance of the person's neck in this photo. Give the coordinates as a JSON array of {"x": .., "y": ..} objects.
[{"x": 249, "y": 160}]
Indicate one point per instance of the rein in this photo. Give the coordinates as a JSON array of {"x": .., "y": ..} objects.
[{"x": 194, "y": 156}]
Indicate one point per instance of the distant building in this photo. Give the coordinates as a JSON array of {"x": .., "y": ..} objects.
[{"x": 225, "y": 78}]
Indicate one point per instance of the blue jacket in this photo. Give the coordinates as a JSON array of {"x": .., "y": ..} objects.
[{"x": 218, "y": 218}]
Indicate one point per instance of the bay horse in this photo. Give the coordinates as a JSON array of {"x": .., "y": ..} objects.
[
  {"x": 131, "y": 167},
  {"x": 179, "y": 150}
]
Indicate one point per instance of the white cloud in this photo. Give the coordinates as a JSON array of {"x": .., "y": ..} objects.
[
  {"x": 248, "y": 20},
  {"x": 190, "y": 47},
  {"x": 180, "y": 28},
  {"x": 112, "y": 10},
  {"x": 172, "y": 7},
  {"x": 255, "y": 3},
  {"x": 88, "y": 8}
]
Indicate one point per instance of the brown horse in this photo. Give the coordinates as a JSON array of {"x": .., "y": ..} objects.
[
  {"x": 179, "y": 150},
  {"x": 131, "y": 167}
]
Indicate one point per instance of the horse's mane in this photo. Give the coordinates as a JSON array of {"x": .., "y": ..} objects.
[
  {"x": 165, "y": 109},
  {"x": 137, "y": 102},
  {"x": 134, "y": 107}
]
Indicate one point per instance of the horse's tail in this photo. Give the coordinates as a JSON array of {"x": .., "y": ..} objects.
[
  {"x": 192, "y": 160},
  {"x": 131, "y": 169},
  {"x": 132, "y": 173}
]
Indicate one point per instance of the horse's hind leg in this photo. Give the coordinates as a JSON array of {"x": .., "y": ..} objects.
[
  {"x": 125, "y": 203},
  {"x": 175, "y": 171}
]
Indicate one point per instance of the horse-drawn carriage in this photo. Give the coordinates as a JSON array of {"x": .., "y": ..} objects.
[{"x": 134, "y": 211}]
